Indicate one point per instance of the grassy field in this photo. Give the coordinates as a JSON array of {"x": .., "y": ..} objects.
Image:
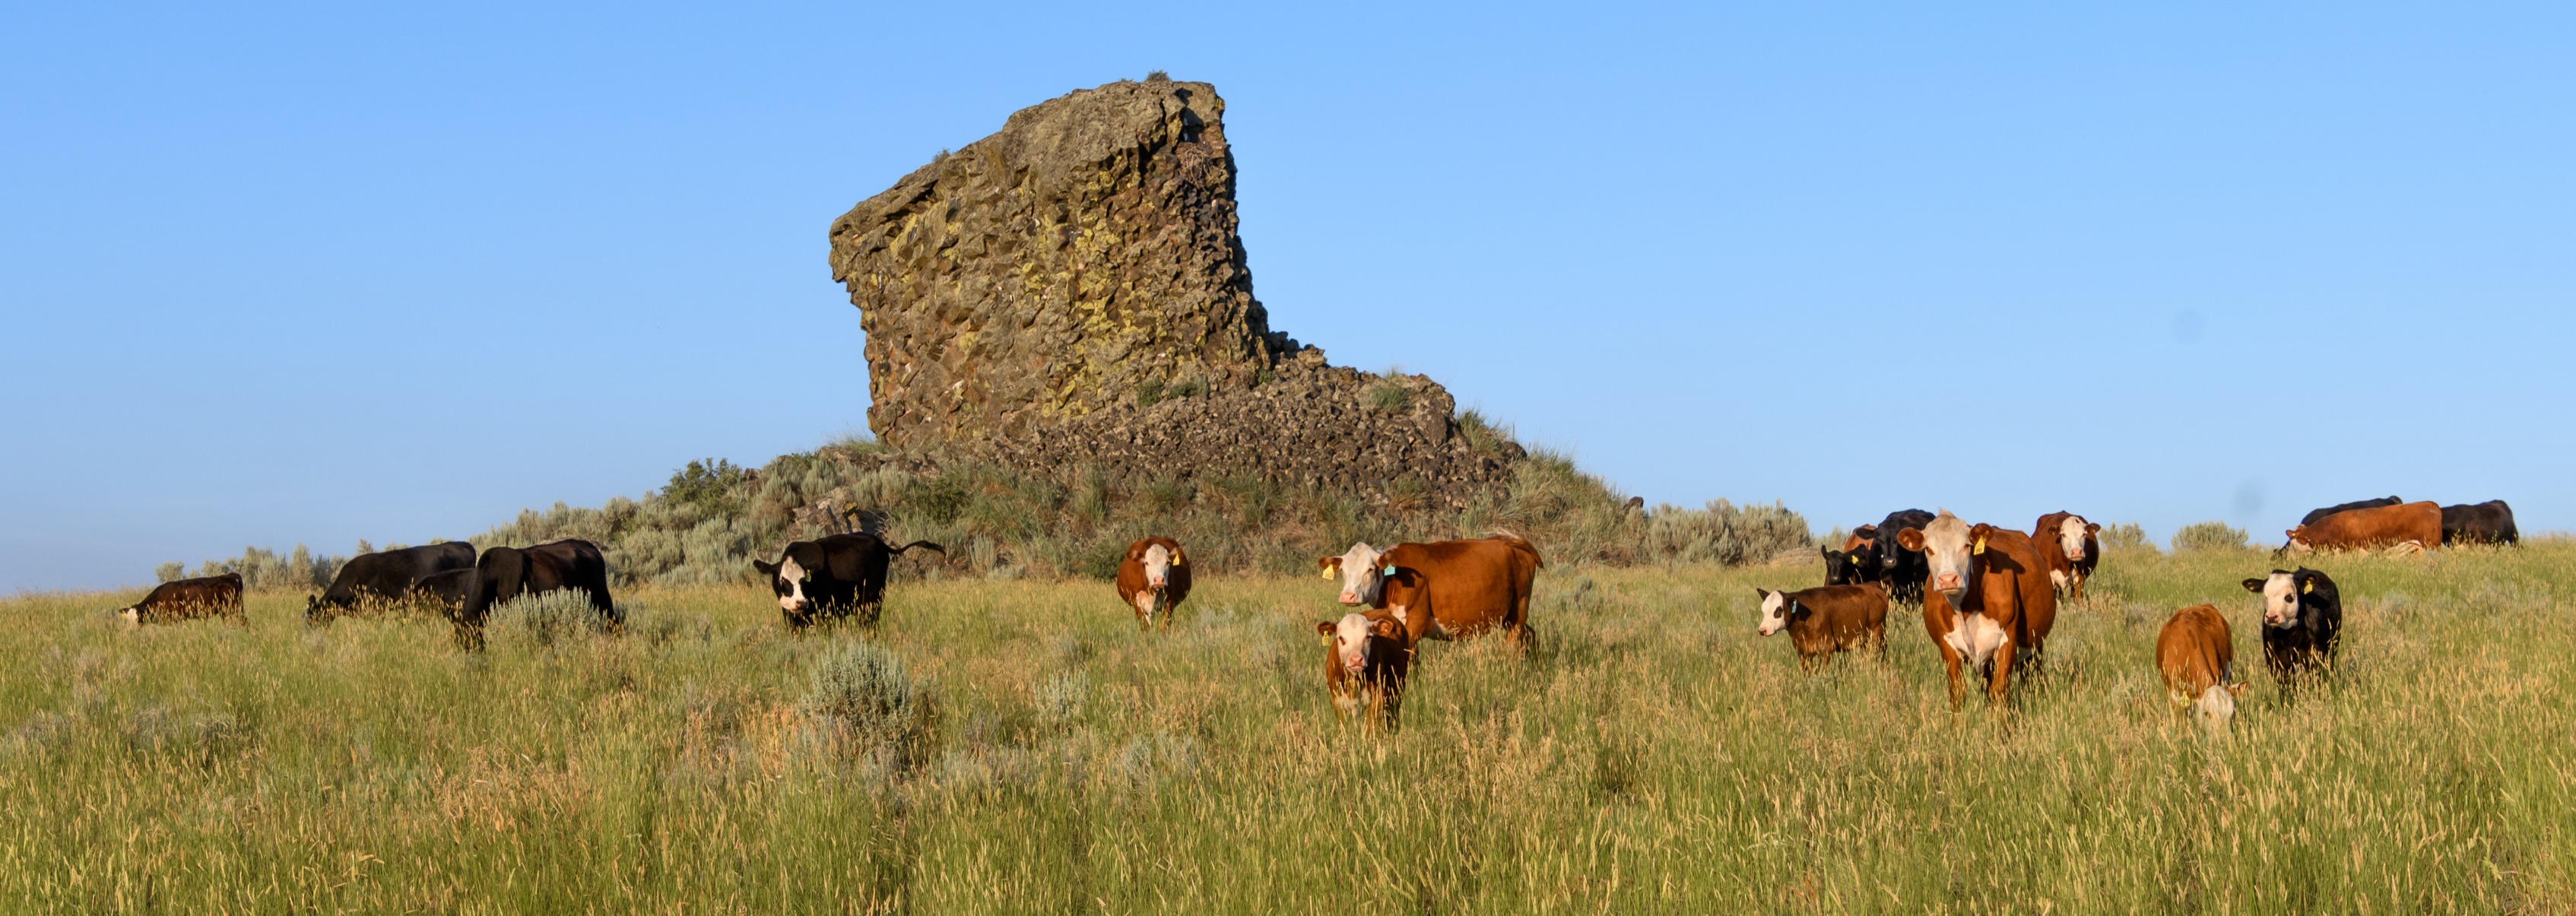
[{"x": 1652, "y": 755}]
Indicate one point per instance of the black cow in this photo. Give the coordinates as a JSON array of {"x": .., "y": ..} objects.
[
  {"x": 1902, "y": 571},
  {"x": 2489, "y": 522},
  {"x": 449, "y": 590},
  {"x": 210, "y": 596},
  {"x": 833, "y": 576},
  {"x": 2302, "y": 616},
  {"x": 2311, "y": 518},
  {"x": 509, "y": 572},
  {"x": 386, "y": 575}
]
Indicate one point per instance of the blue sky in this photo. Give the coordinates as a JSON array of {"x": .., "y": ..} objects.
[{"x": 320, "y": 273}]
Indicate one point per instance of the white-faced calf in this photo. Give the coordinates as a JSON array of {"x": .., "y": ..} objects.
[
  {"x": 1826, "y": 620},
  {"x": 2197, "y": 656},
  {"x": 1366, "y": 660}
]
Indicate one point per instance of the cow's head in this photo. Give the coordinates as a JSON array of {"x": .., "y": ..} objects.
[
  {"x": 1838, "y": 566},
  {"x": 2298, "y": 540},
  {"x": 787, "y": 579},
  {"x": 315, "y": 611},
  {"x": 1159, "y": 562},
  {"x": 2217, "y": 705},
  {"x": 1777, "y": 611},
  {"x": 1358, "y": 639},
  {"x": 2280, "y": 592},
  {"x": 132, "y": 615},
  {"x": 1363, "y": 577},
  {"x": 1952, "y": 548},
  {"x": 2072, "y": 533}
]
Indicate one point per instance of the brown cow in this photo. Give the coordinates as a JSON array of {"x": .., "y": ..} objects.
[
  {"x": 2197, "y": 655},
  {"x": 2415, "y": 524},
  {"x": 185, "y": 599},
  {"x": 1987, "y": 604},
  {"x": 1823, "y": 621},
  {"x": 1153, "y": 579},
  {"x": 2068, "y": 549},
  {"x": 1366, "y": 659},
  {"x": 1446, "y": 589}
]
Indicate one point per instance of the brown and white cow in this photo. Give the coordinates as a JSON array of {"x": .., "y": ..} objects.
[
  {"x": 2416, "y": 525},
  {"x": 2068, "y": 548},
  {"x": 1444, "y": 589},
  {"x": 1825, "y": 620},
  {"x": 187, "y": 599},
  {"x": 1153, "y": 579},
  {"x": 1366, "y": 660},
  {"x": 1986, "y": 600},
  {"x": 2197, "y": 655}
]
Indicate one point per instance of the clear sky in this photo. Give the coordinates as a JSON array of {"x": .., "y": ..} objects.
[{"x": 394, "y": 271}]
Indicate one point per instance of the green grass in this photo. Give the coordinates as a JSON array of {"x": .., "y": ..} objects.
[{"x": 1652, "y": 755}]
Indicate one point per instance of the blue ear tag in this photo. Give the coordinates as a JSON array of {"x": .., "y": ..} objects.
[{"x": 1389, "y": 570}]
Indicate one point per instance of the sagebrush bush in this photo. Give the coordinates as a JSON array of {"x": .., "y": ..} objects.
[
  {"x": 547, "y": 619},
  {"x": 862, "y": 693},
  {"x": 2124, "y": 536},
  {"x": 2209, "y": 536},
  {"x": 261, "y": 568}
]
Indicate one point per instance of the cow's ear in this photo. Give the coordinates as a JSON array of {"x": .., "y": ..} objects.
[
  {"x": 2091, "y": 528},
  {"x": 1910, "y": 539},
  {"x": 2254, "y": 585},
  {"x": 1761, "y": 594},
  {"x": 2237, "y": 689},
  {"x": 764, "y": 567},
  {"x": 1332, "y": 566},
  {"x": 1177, "y": 559},
  {"x": 1867, "y": 531},
  {"x": 1388, "y": 628},
  {"x": 1324, "y": 628}
]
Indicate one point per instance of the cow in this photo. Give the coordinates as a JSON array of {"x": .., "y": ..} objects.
[
  {"x": 1153, "y": 579},
  {"x": 1901, "y": 568},
  {"x": 2068, "y": 548},
  {"x": 2489, "y": 522},
  {"x": 2302, "y": 621},
  {"x": 1988, "y": 604},
  {"x": 1824, "y": 621},
  {"x": 1366, "y": 660},
  {"x": 188, "y": 599},
  {"x": 2197, "y": 656},
  {"x": 1856, "y": 562},
  {"x": 385, "y": 575},
  {"x": 449, "y": 590},
  {"x": 833, "y": 576},
  {"x": 2411, "y": 524},
  {"x": 1445, "y": 589},
  {"x": 504, "y": 573},
  {"x": 2314, "y": 514}
]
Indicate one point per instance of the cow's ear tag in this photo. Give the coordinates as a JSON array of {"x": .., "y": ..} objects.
[
  {"x": 1176, "y": 559},
  {"x": 1389, "y": 570},
  {"x": 1328, "y": 572},
  {"x": 1981, "y": 546},
  {"x": 2309, "y": 588},
  {"x": 1328, "y": 641}
]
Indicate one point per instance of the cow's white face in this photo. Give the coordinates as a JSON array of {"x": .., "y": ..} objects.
[
  {"x": 1947, "y": 549},
  {"x": 791, "y": 586},
  {"x": 1775, "y": 613},
  {"x": 1158, "y": 566},
  {"x": 2070, "y": 536},
  {"x": 132, "y": 615},
  {"x": 1362, "y": 581},
  {"x": 2281, "y": 601},
  {"x": 2215, "y": 707},
  {"x": 1350, "y": 642}
]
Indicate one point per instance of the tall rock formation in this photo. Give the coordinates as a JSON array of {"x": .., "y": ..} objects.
[{"x": 1071, "y": 290}]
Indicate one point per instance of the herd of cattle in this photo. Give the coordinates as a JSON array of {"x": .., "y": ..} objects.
[{"x": 1988, "y": 595}]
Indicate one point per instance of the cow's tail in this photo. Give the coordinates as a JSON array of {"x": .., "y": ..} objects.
[
  {"x": 1518, "y": 543},
  {"x": 898, "y": 551}
]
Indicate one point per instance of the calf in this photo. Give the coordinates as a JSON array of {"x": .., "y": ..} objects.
[
  {"x": 2414, "y": 524},
  {"x": 504, "y": 573},
  {"x": 187, "y": 599},
  {"x": 1856, "y": 562},
  {"x": 385, "y": 575},
  {"x": 1445, "y": 589},
  {"x": 833, "y": 576},
  {"x": 1988, "y": 606},
  {"x": 2197, "y": 655},
  {"x": 2315, "y": 514},
  {"x": 1901, "y": 568},
  {"x": 2068, "y": 548},
  {"x": 1366, "y": 659},
  {"x": 1153, "y": 579},
  {"x": 2302, "y": 619},
  {"x": 1823, "y": 621},
  {"x": 2489, "y": 522}
]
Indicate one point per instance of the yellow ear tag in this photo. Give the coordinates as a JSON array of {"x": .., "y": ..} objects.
[
  {"x": 2309, "y": 588},
  {"x": 1328, "y": 641},
  {"x": 1328, "y": 572},
  {"x": 1176, "y": 560},
  {"x": 1981, "y": 546}
]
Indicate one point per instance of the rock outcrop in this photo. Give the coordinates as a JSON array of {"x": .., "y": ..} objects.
[{"x": 1072, "y": 291}]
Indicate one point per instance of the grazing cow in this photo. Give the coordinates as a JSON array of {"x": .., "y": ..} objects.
[
  {"x": 2489, "y": 522},
  {"x": 1153, "y": 579},
  {"x": 1901, "y": 568},
  {"x": 505, "y": 573},
  {"x": 2068, "y": 548},
  {"x": 2415, "y": 524},
  {"x": 187, "y": 599},
  {"x": 2197, "y": 655},
  {"x": 1445, "y": 589},
  {"x": 1856, "y": 562},
  {"x": 1366, "y": 659},
  {"x": 1988, "y": 606},
  {"x": 1823, "y": 621},
  {"x": 2302, "y": 619},
  {"x": 2314, "y": 514},
  {"x": 449, "y": 590},
  {"x": 833, "y": 576},
  {"x": 386, "y": 575}
]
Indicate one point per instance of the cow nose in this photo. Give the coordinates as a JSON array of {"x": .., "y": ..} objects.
[
  {"x": 1349, "y": 598},
  {"x": 1947, "y": 582}
]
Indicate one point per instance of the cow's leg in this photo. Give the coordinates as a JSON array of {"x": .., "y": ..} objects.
[
  {"x": 1958, "y": 684},
  {"x": 2075, "y": 585},
  {"x": 1999, "y": 683}
]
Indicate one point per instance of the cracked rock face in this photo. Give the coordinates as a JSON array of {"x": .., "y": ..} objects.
[{"x": 1072, "y": 289}]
